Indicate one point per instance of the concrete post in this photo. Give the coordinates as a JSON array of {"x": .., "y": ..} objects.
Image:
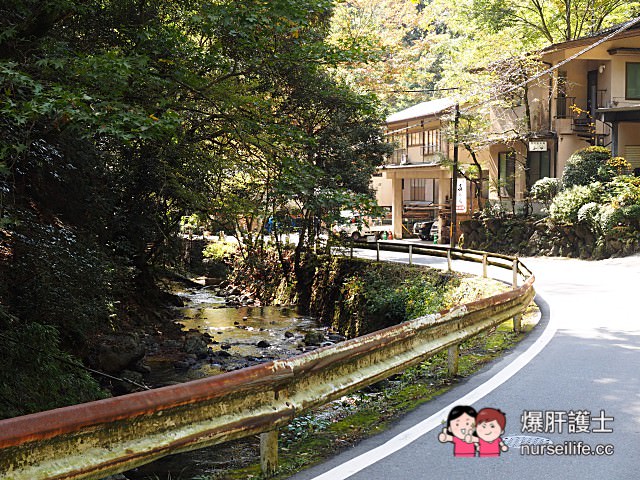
[
  {"x": 449, "y": 260},
  {"x": 396, "y": 209},
  {"x": 269, "y": 452},
  {"x": 410, "y": 254},
  {"x": 453, "y": 357},
  {"x": 484, "y": 265},
  {"x": 377, "y": 251},
  {"x": 517, "y": 320}
]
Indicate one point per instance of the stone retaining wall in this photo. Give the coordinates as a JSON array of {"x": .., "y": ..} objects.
[{"x": 528, "y": 236}]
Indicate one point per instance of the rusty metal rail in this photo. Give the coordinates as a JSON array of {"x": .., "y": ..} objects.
[{"x": 96, "y": 439}]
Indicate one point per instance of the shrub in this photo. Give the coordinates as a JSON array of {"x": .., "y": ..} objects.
[
  {"x": 600, "y": 218},
  {"x": 219, "y": 250},
  {"x": 586, "y": 166},
  {"x": 628, "y": 216},
  {"x": 565, "y": 206},
  {"x": 624, "y": 190},
  {"x": 619, "y": 165},
  {"x": 545, "y": 190}
]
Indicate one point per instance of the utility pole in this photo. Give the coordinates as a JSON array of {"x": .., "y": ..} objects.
[{"x": 454, "y": 179}]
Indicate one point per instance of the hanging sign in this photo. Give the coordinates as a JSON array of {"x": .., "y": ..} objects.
[
  {"x": 538, "y": 146},
  {"x": 461, "y": 196}
]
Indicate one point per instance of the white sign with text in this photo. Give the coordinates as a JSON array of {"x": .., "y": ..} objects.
[{"x": 461, "y": 196}]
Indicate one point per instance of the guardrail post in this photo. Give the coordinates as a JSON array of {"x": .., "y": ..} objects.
[
  {"x": 485, "y": 264},
  {"x": 517, "y": 320},
  {"x": 377, "y": 251},
  {"x": 269, "y": 452},
  {"x": 452, "y": 359},
  {"x": 410, "y": 254},
  {"x": 351, "y": 249},
  {"x": 449, "y": 260}
]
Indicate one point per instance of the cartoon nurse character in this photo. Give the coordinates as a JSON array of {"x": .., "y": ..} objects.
[
  {"x": 490, "y": 424},
  {"x": 461, "y": 423}
]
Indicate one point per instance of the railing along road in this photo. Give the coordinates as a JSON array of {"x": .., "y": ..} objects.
[{"x": 96, "y": 439}]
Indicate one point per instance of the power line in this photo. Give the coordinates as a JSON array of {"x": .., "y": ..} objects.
[
  {"x": 425, "y": 90},
  {"x": 549, "y": 70}
]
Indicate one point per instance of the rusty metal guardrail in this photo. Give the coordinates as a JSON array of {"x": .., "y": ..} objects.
[{"x": 96, "y": 439}]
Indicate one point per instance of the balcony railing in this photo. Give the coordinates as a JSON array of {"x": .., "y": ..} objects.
[
  {"x": 427, "y": 154},
  {"x": 566, "y": 106}
]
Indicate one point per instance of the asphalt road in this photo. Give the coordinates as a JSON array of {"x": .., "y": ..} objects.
[{"x": 578, "y": 369}]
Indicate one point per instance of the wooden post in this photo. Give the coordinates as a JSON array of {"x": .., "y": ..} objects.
[
  {"x": 452, "y": 359},
  {"x": 410, "y": 254},
  {"x": 269, "y": 452},
  {"x": 485, "y": 264}
]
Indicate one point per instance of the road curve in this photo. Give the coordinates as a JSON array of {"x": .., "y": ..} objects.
[{"x": 583, "y": 358}]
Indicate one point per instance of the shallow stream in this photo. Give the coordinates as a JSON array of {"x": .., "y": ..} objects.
[{"x": 236, "y": 337}]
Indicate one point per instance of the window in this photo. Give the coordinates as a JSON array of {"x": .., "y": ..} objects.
[
  {"x": 418, "y": 188},
  {"x": 538, "y": 166},
  {"x": 433, "y": 141},
  {"x": 485, "y": 184},
  {"x": 632, "y": 91},
  {"x": 416, "y": 138},
  {"x": 561, "y": 105},
  {"x": 399, "y": 141},
  {"x": 507, "y": 174}
]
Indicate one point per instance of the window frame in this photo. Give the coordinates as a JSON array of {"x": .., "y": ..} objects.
[
  {"x": 530, "y": 177},
  {"x": 626, "y": 81},
  {"x": 509, "y": 186}
]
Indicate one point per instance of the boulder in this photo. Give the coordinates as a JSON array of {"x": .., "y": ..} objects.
[
  {"x": 313, "y": 338},
  {"x": 115, "y": 353},
  {"x": 196, "y": 344}
]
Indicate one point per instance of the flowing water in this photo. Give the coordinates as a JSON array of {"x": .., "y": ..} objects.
[{"x": 238, "y": 337}]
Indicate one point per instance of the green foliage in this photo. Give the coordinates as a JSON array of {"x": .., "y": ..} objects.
[
  {"x": 36, "y": 374},
  {"x": 551, "y": 21},
  {"x": 220, "y": 250},
  {"x": 371, "y": 301},
  {"x": 545, "y": 190},
  {"x": 624, "y": 191},
  {"x": 121, "y": 119},
  {"x": 586, "y": 166},
  {"x": 60, "y": 278},
  {"x": 567, "y": 203}
]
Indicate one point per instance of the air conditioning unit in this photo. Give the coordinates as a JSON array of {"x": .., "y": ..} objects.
[{"x": 403, "y": 159}]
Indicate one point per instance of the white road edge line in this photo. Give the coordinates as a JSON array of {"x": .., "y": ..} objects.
[{"x": 403, "y": 439}]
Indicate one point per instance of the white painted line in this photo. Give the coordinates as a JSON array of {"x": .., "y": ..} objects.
[{"x": 403, "y": 439}]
